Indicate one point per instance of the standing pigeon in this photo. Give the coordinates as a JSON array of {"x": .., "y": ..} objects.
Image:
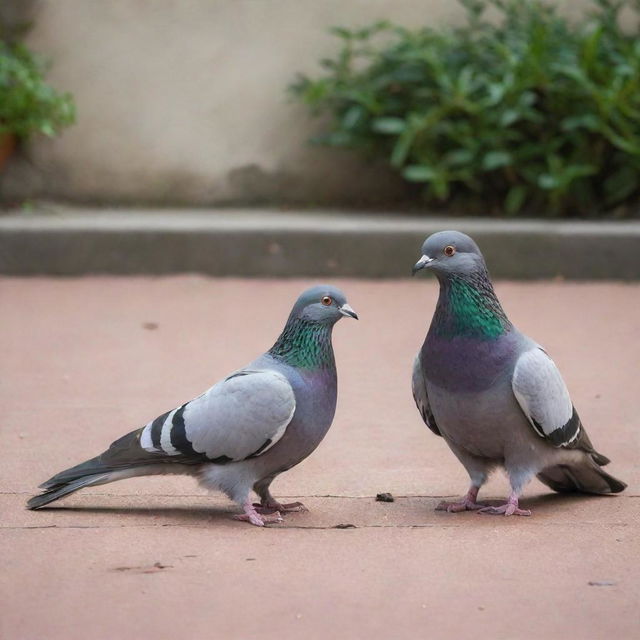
[
  {"x": 491, "y": 392},
  {"x": 244, "y": 431}
]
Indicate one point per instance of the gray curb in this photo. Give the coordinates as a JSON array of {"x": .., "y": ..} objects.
[{"x": 268, "y": 243}]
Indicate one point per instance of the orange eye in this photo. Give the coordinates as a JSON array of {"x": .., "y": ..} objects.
[
  {"x": 449, "y": 250},
  {"x": 326, "y": 301}
]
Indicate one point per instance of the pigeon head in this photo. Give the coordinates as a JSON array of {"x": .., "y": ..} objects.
[
  {"x": 450, "y": 253},
  {"x": 322, "y": 304}
]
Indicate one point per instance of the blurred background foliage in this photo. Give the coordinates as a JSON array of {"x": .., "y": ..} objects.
[
  {"x": 28, "y": 104},
  {"x": 528, "y": 113}
]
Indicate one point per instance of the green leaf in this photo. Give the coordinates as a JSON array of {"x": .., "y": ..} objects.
[
  {"x": 336, "y": 139},
  {"x": 341, "y": 32},
  {"x": 47, "y": 129},
  {"x": 548, "y": 182},
  {"x": 515, "y": 198},
  {"x": 418, "y": 173},
  {"x": 439, "y": 185},
  {"x": 459, "y": 157},
  {"x": 402, "y": 148},
  {"x": 509, "y": 116},
  {"x": 496, "y": 159},
  {"x": 573, "y": 171},
  {"x": 587, "y": 121},
  {"x": 389, "y": 126},
  {"x": 353, "y": 116}
]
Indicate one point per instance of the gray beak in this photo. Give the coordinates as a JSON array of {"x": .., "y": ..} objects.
[
  {"x": 346, "y": 310},
  {"x": 421, "y": 264}
]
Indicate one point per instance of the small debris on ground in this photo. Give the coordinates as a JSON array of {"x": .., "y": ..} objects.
[
  {"x": 345, "y": 526},
  {"x": 150, "y": 326},
  {"x": 602, "y": 583},
  {"x": 155, "y": 568},
  {"x": 384, "y": 497}
]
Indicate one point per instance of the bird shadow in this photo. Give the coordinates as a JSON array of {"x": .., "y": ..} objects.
[
  {"x": 222, "y": 515},
  {"x": 550, "y": 501},
  {"x": 173, "y": 515}
]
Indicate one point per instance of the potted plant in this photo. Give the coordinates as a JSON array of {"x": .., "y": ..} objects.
[{"x": 28, "y": 105}]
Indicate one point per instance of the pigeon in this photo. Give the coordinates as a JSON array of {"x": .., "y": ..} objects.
[
  {"x": 492, "y": 393},
  {"x": 239, "y": 435}
]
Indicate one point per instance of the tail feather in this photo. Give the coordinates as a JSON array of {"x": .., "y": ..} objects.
[
  {"x": 82, "y": 470},
  {"x": 61, "y": 489},
  {"x": 121, "y": 454},
  {"x": 125, "y": 458},
  {"x": 599, "y": 459},
  {"x": 64, "y": 489},
  {"x": 585, "y": 477}
]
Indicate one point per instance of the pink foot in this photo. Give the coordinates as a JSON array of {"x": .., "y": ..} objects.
[
  {"x": 259, "y": 520},
  {"x": 464, "y": 505},
  {"x": 468, "y": 503},
  {"x": 273, "y": 506},
  {"x": 510, "y": 508}
]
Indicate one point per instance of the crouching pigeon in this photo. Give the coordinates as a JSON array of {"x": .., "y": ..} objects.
[
  {"x": 245, "y": 430},
  {"x": 492, "y": 393}
]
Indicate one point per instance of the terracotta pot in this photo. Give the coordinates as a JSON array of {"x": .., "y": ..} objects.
[{"x": 7, "y": 146}]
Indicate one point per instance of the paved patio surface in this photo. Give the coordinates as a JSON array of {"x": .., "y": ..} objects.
[{"x": 82, "y": 361}]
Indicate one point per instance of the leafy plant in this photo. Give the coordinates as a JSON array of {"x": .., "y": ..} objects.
[
  {"x": 527, "y": 113},
  {"x": 28, "y": 104}
]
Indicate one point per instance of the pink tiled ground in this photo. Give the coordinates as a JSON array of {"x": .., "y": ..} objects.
[{"x": 78, "y": 368}]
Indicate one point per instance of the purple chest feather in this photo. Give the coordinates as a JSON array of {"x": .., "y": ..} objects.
[{"x": 468, "y": 364}]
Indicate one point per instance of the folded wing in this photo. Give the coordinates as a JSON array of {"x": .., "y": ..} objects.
[
  {"x": 419, "y": 389},
  {"x": 544, "y": 398},
  {"x": 240, "y": 417}
]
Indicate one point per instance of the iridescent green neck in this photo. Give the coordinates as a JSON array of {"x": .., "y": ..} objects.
[
  {"x": 305, "y": 344},
  {"x": 468, "y": 307}
]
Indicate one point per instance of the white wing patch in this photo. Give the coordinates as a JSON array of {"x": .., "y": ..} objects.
[
  {"x": 145, "y": 439},
  {"x": 163, "y": 442},
  {"x": 544, "y": 398},
  {"x": 165, "y": 436}
]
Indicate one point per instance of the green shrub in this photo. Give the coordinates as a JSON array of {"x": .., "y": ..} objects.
[
  {"x": 28, "y": 104},
  {"x": 528, "y": 113}
]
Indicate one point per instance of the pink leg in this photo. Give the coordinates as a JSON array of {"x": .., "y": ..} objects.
[
  {"x": 468, "y": 503},
  {"x": 251, "y": 515},
  {"x": 510, "y": 508}
]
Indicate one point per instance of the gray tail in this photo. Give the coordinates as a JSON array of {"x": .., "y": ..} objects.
[
  {"x": 64, "y": 489},
  {"x": 585, "y": 477},
  {"x": 125, "y": 458}
]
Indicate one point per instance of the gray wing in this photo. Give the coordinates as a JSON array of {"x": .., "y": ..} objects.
[
  {"x": 419, "y": 388},
  {"x": 240, "y": 417},
  {"x": 544, "y": 398}
]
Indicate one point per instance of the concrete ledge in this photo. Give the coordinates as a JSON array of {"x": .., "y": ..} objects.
[{"x": 258, "y": 243}]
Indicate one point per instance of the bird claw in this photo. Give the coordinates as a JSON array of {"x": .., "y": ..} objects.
[
  {"x": 510, "y": 508},
  {"x": 271, "y": 507},
  {"x": 259, "y": 520},
  {"x": 291, "y": 507},
  {"x": 462, "y": 505}
]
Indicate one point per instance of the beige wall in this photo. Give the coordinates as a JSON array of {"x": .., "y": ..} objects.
[{"x": 184, "y": 100}]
